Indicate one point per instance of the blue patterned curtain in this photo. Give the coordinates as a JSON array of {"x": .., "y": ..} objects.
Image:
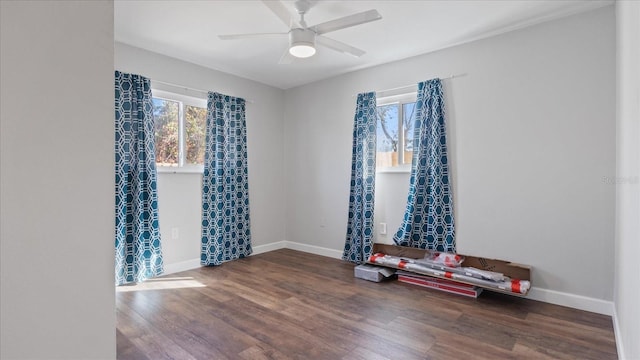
[
  {"x": 138, "y": 250},
  {"x": 357, "y": 247},
  {"x": 428, "y": 219},
  {"x": 226, "y": 234}
]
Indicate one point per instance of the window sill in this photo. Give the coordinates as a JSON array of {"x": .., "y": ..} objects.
[
  {"x": 394, "y": 170},
  {"x": 180, "y": 170}
]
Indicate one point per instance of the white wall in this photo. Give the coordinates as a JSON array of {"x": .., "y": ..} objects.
[
  {"x": 390, "y": 203},
  {"x": 627, "y": 267},
  {"x": 531, "y": 137},
  {"x": 179, "y": 195},
  {"x": 57, "y": 189}
]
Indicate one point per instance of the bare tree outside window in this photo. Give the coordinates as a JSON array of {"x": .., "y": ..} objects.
[
  {"x": 179, "y": 132},
  {"x": 194, "y": 127},
  {"x": 395, "y": 134},
  {"x": 408, "y": 114},
  {"x": 166, "y": 114},
  {"x": 388, "y": 128}
]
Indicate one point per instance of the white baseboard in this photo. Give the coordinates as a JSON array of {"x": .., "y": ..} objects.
[
  {"x": 618, "y": 333},
  {"x": 336, "y": 254},
  {"x": 571, "y": 300},
  {"x": 195, "y": 263},
  {"x": 269, "y": 247},
  {"x": 181, "y": 266}
]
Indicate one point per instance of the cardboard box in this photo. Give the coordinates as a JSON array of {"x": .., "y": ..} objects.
[
  {"x": 512, "y": 270},
  {"x": 372, "y": 272}
]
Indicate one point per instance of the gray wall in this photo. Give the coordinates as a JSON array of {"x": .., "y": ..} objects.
[
  {"x": 179, "y": 195},
  {"x": 627, "y": 182},
  {"x": 56, "y": 231},
  {"x": 532, "y": 142},
  {"x": 531, "y": 136}
]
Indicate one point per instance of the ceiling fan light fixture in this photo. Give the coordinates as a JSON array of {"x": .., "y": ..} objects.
[
  {"x": 302, "y": 50},
  {"x": 302, "y": 43}
]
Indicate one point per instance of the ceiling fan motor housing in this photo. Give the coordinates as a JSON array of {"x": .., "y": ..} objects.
[
  {"x": 302, "y": 42},
  {"x": 302, "y": 37}
]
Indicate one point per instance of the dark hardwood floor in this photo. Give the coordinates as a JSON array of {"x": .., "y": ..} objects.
[{"x": 293, "y": 305}]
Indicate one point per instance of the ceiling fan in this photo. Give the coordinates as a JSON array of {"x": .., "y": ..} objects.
[{"x": 303, "y": 38}]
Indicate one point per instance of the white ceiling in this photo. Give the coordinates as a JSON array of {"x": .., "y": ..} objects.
[{"x": 188, "y": 30}]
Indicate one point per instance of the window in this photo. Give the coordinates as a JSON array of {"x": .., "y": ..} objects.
[
  {"x": 180, "y": 126},
  {"x": 396, "y": 117}
]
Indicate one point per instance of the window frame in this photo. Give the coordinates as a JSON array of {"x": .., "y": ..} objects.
[
  {"x": 400, "y": 100},
  {"x": 182, "y": 100}
]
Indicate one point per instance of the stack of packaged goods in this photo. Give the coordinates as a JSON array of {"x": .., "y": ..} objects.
[{"x": 467, "y": 281}]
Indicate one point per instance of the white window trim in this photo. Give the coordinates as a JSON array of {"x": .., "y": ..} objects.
[
  {"x": 403, "y": 169},
  {"x": 397, "y": 99},
  {"x": 187, "y": 169},
  {"x": 187, "y": 100},
  {"x": 181, "y": 168},
  {"x": 402, "y": 98}
]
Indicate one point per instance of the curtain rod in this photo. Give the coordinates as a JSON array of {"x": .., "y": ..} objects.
[
  {"x": 189, "y": 89},
  {"x": 414, "y": 85}
]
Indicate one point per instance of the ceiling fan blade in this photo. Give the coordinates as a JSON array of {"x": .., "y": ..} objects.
[
  {"x": 286, "y": 58},
  {"x": 281, "y": 11},
  {"x": 248, "y": 36},
  {"x": 339, "y": 46},
  {"x": 347, "y": 21}
]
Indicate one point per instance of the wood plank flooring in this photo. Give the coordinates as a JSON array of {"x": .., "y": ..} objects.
[{"x": 287, "y": 304}]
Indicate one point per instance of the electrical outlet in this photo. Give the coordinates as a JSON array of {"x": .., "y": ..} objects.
[
  {"x": 175, "y": 233},
  {"x": 383, "y": 228}
]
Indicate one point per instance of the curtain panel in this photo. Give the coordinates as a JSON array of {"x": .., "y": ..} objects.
[
  {"x": 428, "y": 219},
  {"x": 357, "y": 247},
  {"x": 137, "y": 242},
  {"x": 226, "y": 234}
]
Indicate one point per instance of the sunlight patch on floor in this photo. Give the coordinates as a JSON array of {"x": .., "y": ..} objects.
[{"x": 162, "y": 284}]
